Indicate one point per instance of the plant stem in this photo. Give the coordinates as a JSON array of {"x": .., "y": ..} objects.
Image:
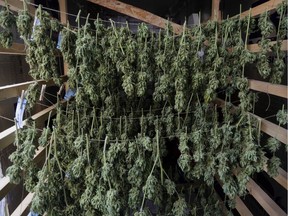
[
  {"x": 104, "y": 158},
  {"x": 87, "y": 148},
  {"x": 159, "y": 158},
  {"x": 93, "y": 119}
]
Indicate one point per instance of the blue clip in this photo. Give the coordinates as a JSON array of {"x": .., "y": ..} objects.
[
  {"x": 70, "y": 93},
  {"x": 21, "y": 104},
  {"x": 59, "y": 41}
]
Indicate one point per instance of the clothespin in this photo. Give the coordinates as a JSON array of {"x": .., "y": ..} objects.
[
  {"x": 22, "y": 97},
  {"x": 35, "y": 23},
  {"x": 21, "y": 103},
  {"x": 60, "y": 90},
  {"x": 42, "y": 92},
  {"x": 59, "y": 41}
]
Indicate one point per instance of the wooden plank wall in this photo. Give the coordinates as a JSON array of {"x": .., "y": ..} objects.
[{"x": 267, "y": 127}]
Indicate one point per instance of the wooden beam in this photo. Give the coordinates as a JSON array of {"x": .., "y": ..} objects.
[
  {"x": 273, "y": 130},
  {"x": 15, "y": 49},
  {"x": 5, "y": 186},
  {"x": 215, "y": 10},
  {"x": 137, "y": 13},
  {"x": 64, "y": 20},
  {"x": 63, "y": 11},
  {"x": 267, "y": 127},
  {"x": 7, "y": 136},
  {"x": 267, "y": 6},
  {"x": 14, "y": 90},
  {"x": 256, "y": 48},
  {"x": 24, "y": 207},
  {"x": 16, "y": 5},
  {"x": 269, "y": 88},
  {"x": 263, "y": 199},
  {"x": 242, "y": 208}
]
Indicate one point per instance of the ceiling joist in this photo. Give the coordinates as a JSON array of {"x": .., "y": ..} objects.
[{"x": 137, "y": 13}]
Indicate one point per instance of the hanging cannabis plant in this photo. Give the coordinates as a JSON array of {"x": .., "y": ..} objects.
[
  {"x": 142, "y": 135},
  {"x": 7, "y": 21}
]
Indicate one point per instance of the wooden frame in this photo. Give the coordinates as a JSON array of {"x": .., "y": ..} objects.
[
  {"x": 267, "y": 127},
  {"x": 242, "y": 208},
  {"x": 263, "y": 199},
  {"x": 254, "y": 48},
  {"x": 24, "y": 207},
  {"x": 14, "y": 90},
  {"x": 269, "y": 88},
  {"x": 267, "y": 6}
]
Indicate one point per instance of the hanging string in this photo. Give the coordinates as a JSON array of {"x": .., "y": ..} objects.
[
  {"x": 11, "y": 120},
  {"x": 8, "y": 119},
  {"x": 92, "y": 19}
]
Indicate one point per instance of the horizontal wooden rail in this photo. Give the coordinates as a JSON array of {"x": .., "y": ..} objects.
[
  {"x": 256, "y": 48},
  {"x": 15, "y": 49},
  {"x": 6, "y": 185},
  {"x": 273, "y": 130},
  {"x": 269, "y": 88},
  {"x": 242, "y": 208},
  {"x": 267, "y": 127},
  {"x": 24, "y": 207},
  {"x": 281, "y": 178},
  {"x": 7, "y": 137},
  {"x": 14, "y": 90},
  {"x": 267, "y": 6},
  {"x": 264, "y": 200}
]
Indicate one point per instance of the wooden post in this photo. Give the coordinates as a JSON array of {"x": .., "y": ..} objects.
[
  {"x": 64, "y": 20},
  {"x": 215, "y": 10}
]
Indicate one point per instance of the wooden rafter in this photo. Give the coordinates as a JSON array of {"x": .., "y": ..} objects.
[
  {"x": 14, "y": 90},
  {"x": 24, "y": 207},
  {"x": 267, "y": 127},
  {"x": 263, "y": 199},
  {"x": 267, "y": 6},
  {"x": 254, "y": 48},
  {"x": 242, "y": 208},
  {"x": 273, "y": 130},
  {"x": 5, "y": 186},
  {"x": 269, "y": 88},
  {"x": 15, "y": 49},
  {"x": 137, "y": 13},
  {"x": 64, "y": 20}
]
